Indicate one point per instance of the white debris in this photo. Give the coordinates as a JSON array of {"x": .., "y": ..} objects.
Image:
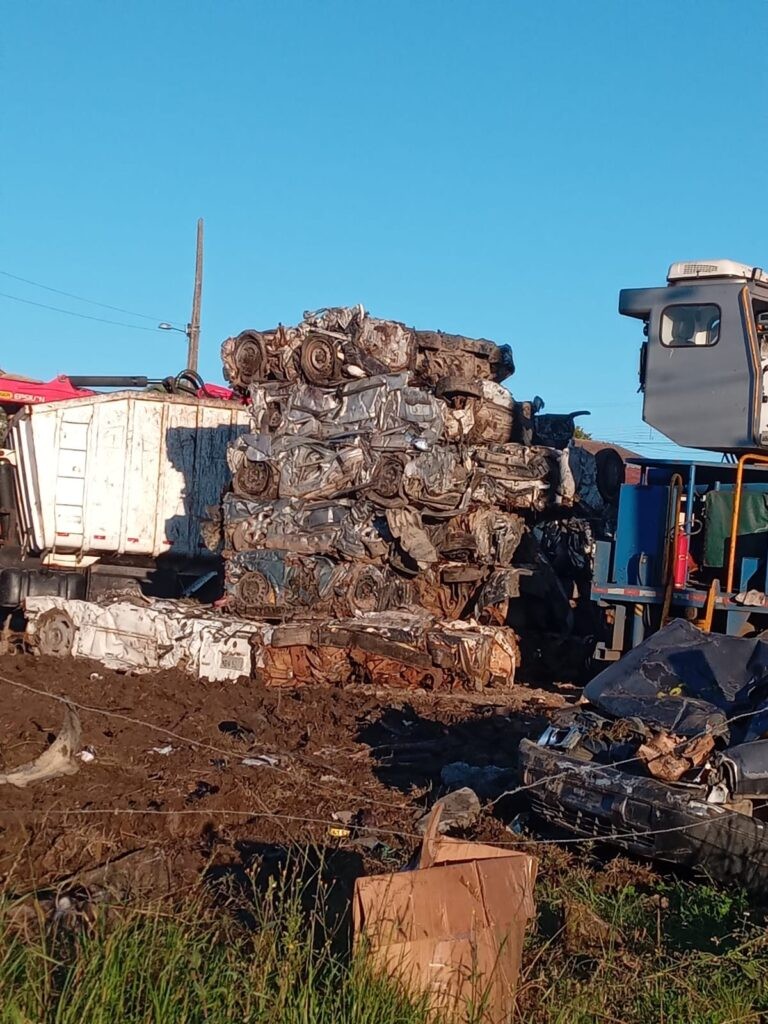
[
  {"x": 153, "y": 635},
  {"x": 57, "y": 760}
]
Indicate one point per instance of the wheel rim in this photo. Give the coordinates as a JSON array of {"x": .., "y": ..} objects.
[
  {"x": 387, "y": 479},
  {"x": 56, "y": 635},
  {"x": 248, "y": 358},
  {"x": 364, "y": 596},
  {"x": 274, "y": 415},
  {"x": 253, "y": 590},
  {"x": 318, "y": 359},
  {"x": 254, "y": 479},
  {"x": 386, "y": 485}
]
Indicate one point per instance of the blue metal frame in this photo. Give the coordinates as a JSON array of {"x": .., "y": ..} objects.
[{"x": 627, "y": 576}]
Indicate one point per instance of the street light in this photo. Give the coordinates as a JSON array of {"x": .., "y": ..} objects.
[{"x": 165, "y": 326}]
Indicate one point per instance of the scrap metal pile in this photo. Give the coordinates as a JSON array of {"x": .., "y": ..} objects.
[{"x": 382, "y": 506}]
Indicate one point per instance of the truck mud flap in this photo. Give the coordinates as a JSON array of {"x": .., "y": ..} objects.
[{"x": 645, "y": 816}]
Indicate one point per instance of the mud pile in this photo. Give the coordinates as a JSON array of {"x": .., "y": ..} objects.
[
  {"x": 187, "y": 776},
  {"x": 391, "y": 484}
]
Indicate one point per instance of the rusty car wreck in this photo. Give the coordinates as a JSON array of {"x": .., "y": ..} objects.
[{"x": 336, "y": 344}]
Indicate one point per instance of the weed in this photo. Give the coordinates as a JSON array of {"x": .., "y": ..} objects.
[{"x": 679, "y": 952}]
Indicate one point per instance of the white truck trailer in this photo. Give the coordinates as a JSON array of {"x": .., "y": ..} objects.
[{"x": 113, "y": 485}]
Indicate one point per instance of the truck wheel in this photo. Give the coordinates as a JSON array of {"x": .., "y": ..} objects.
[{"x": 610, "y": 474}]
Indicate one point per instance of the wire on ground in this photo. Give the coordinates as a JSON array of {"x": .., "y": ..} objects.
[
  {"x": 211, "y": 812},
  {"x": 199, "y": 744}
]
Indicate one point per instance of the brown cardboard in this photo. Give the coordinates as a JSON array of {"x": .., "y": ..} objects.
[{"x": 452, "y": 928}]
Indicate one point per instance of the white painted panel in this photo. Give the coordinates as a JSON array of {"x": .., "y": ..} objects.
[
  {"x": 106, "y": 478},
  {"x": 176, "y": 481},
  {"x": 73, "y": 436},
  {"x": 143, "y": 466}
]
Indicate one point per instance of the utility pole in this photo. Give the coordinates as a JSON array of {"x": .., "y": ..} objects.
[{"x": 193, "y": 327}]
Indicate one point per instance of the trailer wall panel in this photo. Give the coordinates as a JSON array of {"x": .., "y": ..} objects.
[{"x": 130, "y": 473}]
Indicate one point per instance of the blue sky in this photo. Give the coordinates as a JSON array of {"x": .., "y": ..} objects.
[{"x": 494, "y": 168}]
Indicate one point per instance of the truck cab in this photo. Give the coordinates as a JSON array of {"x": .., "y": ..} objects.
[{"x": 704, "y": 363}]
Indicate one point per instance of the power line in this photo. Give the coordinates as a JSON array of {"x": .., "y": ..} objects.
[
  {"x": 80, "y": 298},
  {"x": 71, "y": 312}
]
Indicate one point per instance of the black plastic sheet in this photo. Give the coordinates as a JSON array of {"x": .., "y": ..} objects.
[{"x": 685, "y": 682}]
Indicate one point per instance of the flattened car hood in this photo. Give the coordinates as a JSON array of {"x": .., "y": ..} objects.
[{"x": 684, "y": 681}]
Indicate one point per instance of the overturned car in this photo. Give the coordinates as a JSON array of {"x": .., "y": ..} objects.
[{"x": 668, "y": 757}]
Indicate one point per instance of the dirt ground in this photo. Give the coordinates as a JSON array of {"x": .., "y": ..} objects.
[{"x": 364, "y": 761}]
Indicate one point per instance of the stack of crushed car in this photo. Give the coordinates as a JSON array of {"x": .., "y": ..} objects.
[{"x": 382, "y": 506}]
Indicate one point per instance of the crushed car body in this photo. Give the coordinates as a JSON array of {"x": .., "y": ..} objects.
[
  {"x": 332, "y": 345},
  {"x": 370, "y": 470},
  {"x": 668, "y": 757},
  {"x": 406, "y": 649}
]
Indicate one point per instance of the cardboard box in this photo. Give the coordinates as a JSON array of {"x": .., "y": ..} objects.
[{"x": 453, "y": 927}]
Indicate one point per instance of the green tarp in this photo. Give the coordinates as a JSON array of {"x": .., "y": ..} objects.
[{"x": 753, "y": 519}]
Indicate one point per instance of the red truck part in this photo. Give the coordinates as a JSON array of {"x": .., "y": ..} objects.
[{"x": 22, "y": 391}]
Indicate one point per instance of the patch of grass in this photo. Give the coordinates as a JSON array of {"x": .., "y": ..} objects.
[
  {"x": 647, "y": 949},
  {"x": 161, "y": 965}
]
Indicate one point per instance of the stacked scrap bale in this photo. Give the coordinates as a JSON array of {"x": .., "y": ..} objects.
[{"x": 381, "y": 508}]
